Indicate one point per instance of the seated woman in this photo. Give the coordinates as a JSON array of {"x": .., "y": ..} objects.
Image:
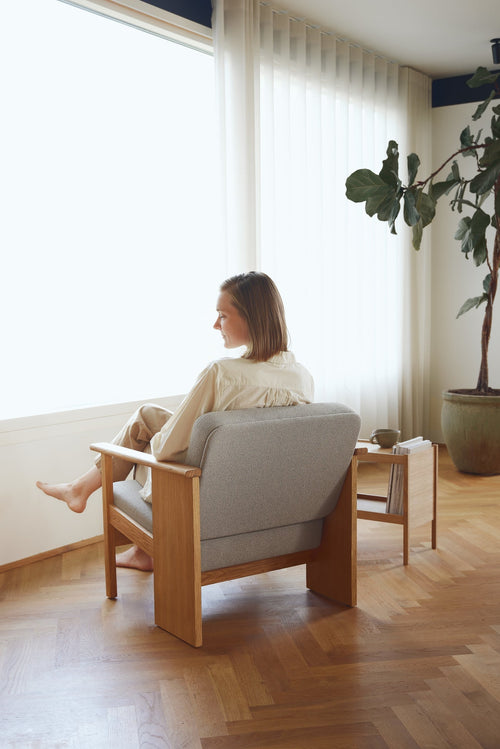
[{"x": 250, "y": 313}]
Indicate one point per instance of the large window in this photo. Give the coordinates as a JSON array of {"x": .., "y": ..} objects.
[{"x": 111, "y": 254}]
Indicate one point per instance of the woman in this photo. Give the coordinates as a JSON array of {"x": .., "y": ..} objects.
[{"x": 249, "y": 313}]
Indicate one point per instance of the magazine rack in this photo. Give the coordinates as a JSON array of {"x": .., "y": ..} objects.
[{"x": 418, "y": 491}]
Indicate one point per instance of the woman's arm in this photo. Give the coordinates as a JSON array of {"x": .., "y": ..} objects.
[{"x": 172, "y": 442}]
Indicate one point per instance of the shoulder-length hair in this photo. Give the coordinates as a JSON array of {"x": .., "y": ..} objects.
[{"x": 259, "y": 302}]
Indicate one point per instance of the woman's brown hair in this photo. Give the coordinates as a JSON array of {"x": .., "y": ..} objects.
[{"x": 259, "y": 302}]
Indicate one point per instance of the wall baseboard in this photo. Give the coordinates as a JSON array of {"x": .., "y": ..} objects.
[{"x": 51, "y": 553}]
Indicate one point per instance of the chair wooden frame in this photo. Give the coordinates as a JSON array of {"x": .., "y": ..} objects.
[{"x": 176, "y": 547}]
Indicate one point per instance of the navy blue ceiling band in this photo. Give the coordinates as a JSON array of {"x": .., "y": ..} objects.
[
  {"x": 199, "y": 11},
  {"x": 448, "y": 91}
]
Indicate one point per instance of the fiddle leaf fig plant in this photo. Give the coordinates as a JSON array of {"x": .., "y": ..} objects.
[{"x": 478, "y": 229}]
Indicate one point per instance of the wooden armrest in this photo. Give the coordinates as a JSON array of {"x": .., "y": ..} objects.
[{"x": 145, "y": 459}]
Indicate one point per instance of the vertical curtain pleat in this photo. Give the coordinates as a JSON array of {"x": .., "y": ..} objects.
[
  {"x": 323, "y": 108},
  {"x": 415, "y": 97},
  {"x": 237, "y": 64}
]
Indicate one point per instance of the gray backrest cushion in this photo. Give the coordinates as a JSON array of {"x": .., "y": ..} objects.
[{"x": 269, "y": 467}]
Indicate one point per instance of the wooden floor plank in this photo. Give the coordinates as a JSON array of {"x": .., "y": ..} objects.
[
  {"x": 182, "y": 729},
  {"x": 416, "y": 664}
]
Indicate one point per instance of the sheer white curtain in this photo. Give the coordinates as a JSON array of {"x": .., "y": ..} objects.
[{"x": 315, "y": 108}]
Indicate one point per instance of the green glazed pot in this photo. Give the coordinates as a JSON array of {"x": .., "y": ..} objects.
[{"x": 471, "y": 430}]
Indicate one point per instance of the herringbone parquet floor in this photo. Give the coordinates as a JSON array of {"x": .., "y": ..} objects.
[{"x": 416, "y": 664}]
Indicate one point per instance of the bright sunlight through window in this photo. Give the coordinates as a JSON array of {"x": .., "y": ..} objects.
[{"x": 111, "y": 251}]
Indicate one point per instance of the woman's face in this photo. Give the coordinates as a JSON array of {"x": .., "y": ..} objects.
[{"x": 232, "y": 325}]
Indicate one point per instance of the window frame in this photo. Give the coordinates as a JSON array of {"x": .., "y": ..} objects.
[{"x": 152, "y": 19}]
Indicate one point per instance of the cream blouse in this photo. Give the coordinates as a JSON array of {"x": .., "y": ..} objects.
[
  {"x": 227, "y": 385},
  {"x": 230, "y": 384}
]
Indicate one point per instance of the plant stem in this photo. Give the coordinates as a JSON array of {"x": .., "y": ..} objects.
[
  {"x": 423, "y": 183},
  {"x": 482, "y": 382}
]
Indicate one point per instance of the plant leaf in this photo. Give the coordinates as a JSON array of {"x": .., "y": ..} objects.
[
  {"x": 491, "y": 153},
  {"x": 483, "y": 107},
  {"x": 495, "y": 124},
  {"x": 480, "y": 251},
  {"x": 364, "y": 184},
  {"x": 392, "y": 215},
  {"x": 463, "y": 227},
  {"x": 463, "y": 234},
  {"x": 455, "y": 173},
  {"x": 481, "y": 77},
  {"x": 390, "y": 166},
  {"x": 383, "y": 208},
  {"x": 472, "y": 233},
  {"x": 440, "y": 188},
  {"x": 373, "y": 203},
  {"x": 426, "y": 207},
  {"x": 479, "y": 223},
  {"x": 472, "y": 303},
  {"x": 486, "y": 283},
  {"x": 413, "y": 163},
  {"x": 410, "y": 213},
  {"x": 485, "y": 180},
  {"x": 466, "y": 140},
  {"x": 417, "y": 231}
]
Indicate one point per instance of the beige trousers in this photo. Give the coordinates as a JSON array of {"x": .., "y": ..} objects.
[{"x": 137, "y": 434}]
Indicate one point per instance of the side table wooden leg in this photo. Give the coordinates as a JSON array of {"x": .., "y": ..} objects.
[
  {"x": 406, "y": 544},
  {"x": 435, "y": 489}
]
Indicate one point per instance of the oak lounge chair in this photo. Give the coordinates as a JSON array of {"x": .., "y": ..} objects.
[{"x": 264, "y": 488}]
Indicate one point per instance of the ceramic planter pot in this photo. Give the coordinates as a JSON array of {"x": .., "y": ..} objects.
[{"x": 471, "y": 429}]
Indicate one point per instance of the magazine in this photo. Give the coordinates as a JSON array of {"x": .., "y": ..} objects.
[{"x": 396, "y": 476}]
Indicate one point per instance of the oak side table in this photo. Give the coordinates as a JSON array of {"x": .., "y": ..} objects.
[{"x": 419, "y": 490}]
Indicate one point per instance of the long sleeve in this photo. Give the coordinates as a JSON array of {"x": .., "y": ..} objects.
[{"x": 172, "y": 442}]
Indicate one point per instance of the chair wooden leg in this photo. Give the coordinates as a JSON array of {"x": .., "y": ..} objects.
[
  {"x": 109, "y": 532},
  {"x": 333, "y": 571},
  {"x": 177, "y": 556}
]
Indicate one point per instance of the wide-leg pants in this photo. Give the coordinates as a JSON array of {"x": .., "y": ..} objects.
[{"x": 137, "y": 434}]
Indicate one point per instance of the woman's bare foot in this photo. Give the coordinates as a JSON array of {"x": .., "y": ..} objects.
[
  {"x": 136, "y": 559},
  {"x": 74, "y": 498},
  {"x": 75, "y": 493}
]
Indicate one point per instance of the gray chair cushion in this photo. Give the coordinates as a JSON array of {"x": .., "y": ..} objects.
[
  {"x": 266, "y": 468},
  {"x": 269, "y": 476},
  {"x": 127, "y": 498}
]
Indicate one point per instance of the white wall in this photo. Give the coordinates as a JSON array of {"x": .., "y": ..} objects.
[
  {"x": 53, "y": 447},
  {"x": 455, "y": 344}
]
